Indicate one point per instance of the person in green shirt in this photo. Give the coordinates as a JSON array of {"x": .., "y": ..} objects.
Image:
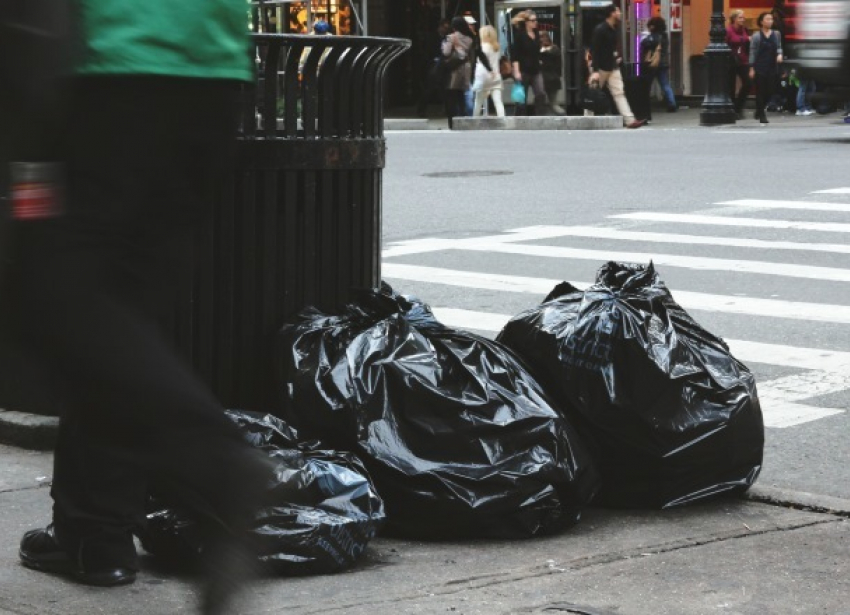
[{"x": 150, "y": 124}]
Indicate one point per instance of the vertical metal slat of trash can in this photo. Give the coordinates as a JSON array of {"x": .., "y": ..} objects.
[
  {"x": 350, "y": 124},
  {"x": 225, "y": 290},
  {"x": 291, "y": 91},
  {"x": 270, "y": 91},
  {"x": 310, "y": 91},
  {"x": 328, "y": 87},
  {"x": 372, "y": 128},
  {"x": 308, "y": 249},
  {"x": 365, "y": 68},
  {"x": 330, "y": 80},
  {"x": 246, "y": 287},
  {"x": 204, "y": 286},
  {"x": 358, "y": 70},
  {"x": 342, "y": 110}
]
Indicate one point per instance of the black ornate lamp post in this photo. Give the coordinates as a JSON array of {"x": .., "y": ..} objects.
[{"x": 717, "y": 107}]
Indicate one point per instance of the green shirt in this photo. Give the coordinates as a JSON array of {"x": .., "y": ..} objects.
[{"x": 181, "y": 38}]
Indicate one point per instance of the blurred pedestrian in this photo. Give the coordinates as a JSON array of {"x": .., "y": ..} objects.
[
  {"x": 457, "y": 52},
  {"x": 433, "y": 75},
  {"x": 606, "y": 64},
  {"x": 151, "y": 123},
  {"x": 650, "y": 60},
  {"x": 525, "y": 57},
  {"x": 765, "y": 58},
  {"x": 805, "y": 89},
  {"x": 738, "y": 40},
  {"x": 551, "y": 65},
  {"x": 488, "y": 81},
  {"x": 477, "y": 56},
  {"x": 659, "y": 39}
]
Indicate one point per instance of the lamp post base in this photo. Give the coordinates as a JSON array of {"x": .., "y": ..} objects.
[{"x": 717, "y": 117}]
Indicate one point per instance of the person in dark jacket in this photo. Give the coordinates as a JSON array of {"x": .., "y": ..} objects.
[
  {"x": 551, "y": 66},
  {"x": 461, "y": 44},
  {"x": 434, "y": 76},
  {"x": 606, "y": 62},
  {"x": 738, "y": 40},
  {"x": 765, "y": 58},
  {"x": 525, "y": 57},
  {"x": 658, "y": 39},
  {"x": 97, "y": 281}
]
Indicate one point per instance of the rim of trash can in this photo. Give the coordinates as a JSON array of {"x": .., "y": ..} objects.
[{"x": 343, "y": 40}]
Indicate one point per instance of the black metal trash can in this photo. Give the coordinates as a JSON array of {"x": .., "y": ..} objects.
[{"x": 299, "y": 221}]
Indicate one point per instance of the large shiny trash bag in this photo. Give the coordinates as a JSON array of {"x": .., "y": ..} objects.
[
  {"x": 459, "y": 438},
  {"x": 671, "y": 416},
  {"x": 320, "y": 513}
]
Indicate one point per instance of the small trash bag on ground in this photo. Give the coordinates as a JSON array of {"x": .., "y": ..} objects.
[
  {"x": 460, "y": 440},
  {"x": 672, "y": 416},
  {"x": 318, "y": 517}
]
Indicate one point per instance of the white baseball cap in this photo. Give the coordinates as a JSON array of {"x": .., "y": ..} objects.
[{"x": 470, "y": 19}]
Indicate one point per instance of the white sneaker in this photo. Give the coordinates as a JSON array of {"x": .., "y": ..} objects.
[
  {"x": 808, "y": 112},
  {"x": 799, "y": 112}
]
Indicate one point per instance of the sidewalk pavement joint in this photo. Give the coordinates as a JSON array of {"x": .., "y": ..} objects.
[
  {"x": 461, "y": 585},
  {"x": 800, "y": 500}
]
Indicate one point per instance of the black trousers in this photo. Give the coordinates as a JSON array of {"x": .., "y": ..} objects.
[
  {"x": 455, "y": 104},
  {"x": 433, "y": 85},
  {"x": 742, "y": 72},
  {"x": 765, "y": 86},
  {"x": 541, "y": 99},
  {"x": 142, "y": 154}
]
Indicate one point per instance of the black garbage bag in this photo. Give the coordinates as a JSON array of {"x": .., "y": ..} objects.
[
  {"x": 671, "y": 415},
  {"x": 318, "y": 517},
  {"x": 460, "y": 439}
]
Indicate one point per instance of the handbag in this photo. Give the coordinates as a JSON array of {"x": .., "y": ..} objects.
[
  {"x": 594, "y": 99},
  {"x": 518, "y": 93},
  {"x": 505, "y": 68},
  {"x": 653, "y": 56}
]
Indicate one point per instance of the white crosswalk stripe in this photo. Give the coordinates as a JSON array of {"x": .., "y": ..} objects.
[
  {"x": 798, "y": 205},
  {"x": 790, "y": 270},
  {"x": 833, "y": 191},
  {"x": 798, "y": 310},
  {"x": 785, "y": 400},
  {"x": 649, "y": 216}
]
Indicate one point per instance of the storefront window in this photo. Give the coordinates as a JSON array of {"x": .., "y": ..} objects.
[{"x": 293, "y": 17}]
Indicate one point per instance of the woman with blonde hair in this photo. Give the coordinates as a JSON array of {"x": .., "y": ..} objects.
[
  {"x": 738, "y": 40},
  {"x": 488, "y": 82},
  {"x": 525, "y": 57}
]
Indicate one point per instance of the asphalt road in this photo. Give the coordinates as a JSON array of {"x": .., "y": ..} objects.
[{"x": 770, "y": 273}]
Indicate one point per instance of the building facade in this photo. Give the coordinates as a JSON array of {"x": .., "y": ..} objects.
[{"x": 688, "y": 21}]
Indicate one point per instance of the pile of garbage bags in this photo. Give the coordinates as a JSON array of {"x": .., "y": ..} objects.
[
  {"x": 319, "y": 515},
  {"x": 612, "y": 395},
  {"x": 671, "y": 416},
  {"x": 460, "y": 439}
]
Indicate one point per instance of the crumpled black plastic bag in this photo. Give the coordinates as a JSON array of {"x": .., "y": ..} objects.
[
  {"x": 460, "y": 439},
  {"x": 319, "y": 515},
  {"x": 672, "y": 416}
]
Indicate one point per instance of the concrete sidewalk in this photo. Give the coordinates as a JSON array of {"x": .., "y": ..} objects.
[
  {"x": 686, "y": 117},
  {"x": 732, "y": 557}
]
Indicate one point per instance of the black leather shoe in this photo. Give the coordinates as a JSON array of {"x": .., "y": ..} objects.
[{"x": 41, "y": 551}]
